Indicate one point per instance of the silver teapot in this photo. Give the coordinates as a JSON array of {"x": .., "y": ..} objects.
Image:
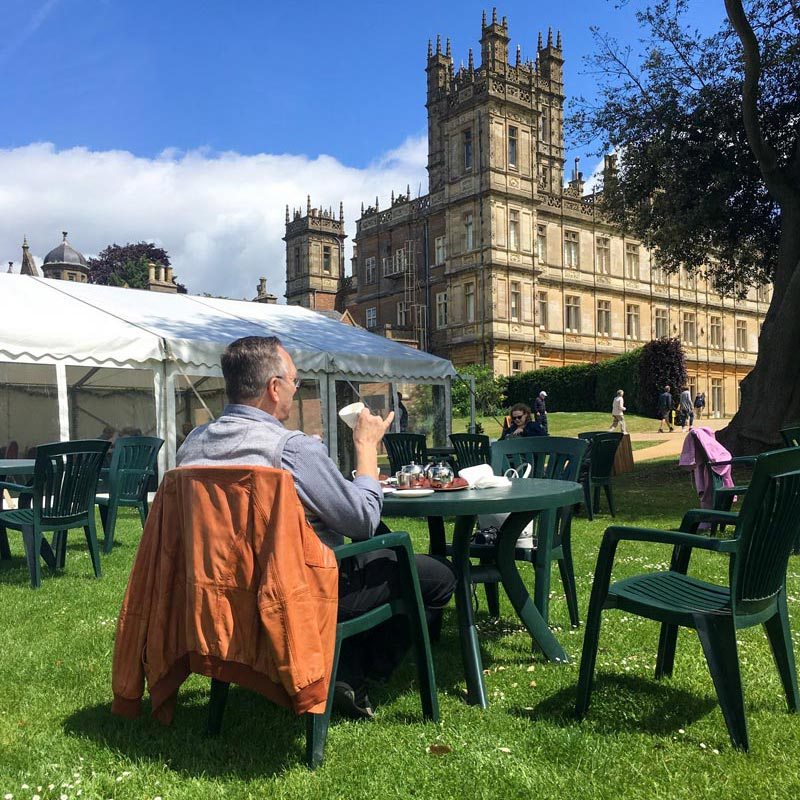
[
  {"x": 439, "y": 474},
  {"x": 409, "y": 475}
]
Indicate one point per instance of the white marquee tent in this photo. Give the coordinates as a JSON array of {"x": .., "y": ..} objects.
[{"x": 76, "y": 358}]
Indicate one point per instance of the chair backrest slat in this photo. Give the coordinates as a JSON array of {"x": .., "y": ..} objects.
[
  {"x": 471, "y": 449},
  {"x": 403, "y": 448},
  {"x": 65, "y": 478},
  {"x": 767, "y": 528},
  {"x": 555, "y": 457},
  {"x": 132, "y": 465}
]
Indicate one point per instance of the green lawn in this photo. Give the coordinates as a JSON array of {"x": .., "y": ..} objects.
[{"x": 642, "y": 739}]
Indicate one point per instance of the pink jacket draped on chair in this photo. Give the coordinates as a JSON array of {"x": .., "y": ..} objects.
[{"x": 699, "y": 447}]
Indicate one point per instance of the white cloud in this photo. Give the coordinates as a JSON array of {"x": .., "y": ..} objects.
[{"x": 220, "y": 216}]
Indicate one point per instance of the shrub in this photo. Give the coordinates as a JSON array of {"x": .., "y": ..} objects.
[
  {"x": 592, "y": 387},
  {"x": 621, "y": 372}
]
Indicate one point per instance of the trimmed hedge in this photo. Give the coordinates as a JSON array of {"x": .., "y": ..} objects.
[{"x": 592, "y": 387}]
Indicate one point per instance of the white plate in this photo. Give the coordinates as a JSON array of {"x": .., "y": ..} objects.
[
  {"x": 389, "y": 489},
  {"x": 414, "y": 492}
]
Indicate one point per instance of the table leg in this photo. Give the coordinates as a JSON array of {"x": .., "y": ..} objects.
[
  {"x": 518, "y": 594},
  {"x": 438, "y": 538},
  {"x": 467, "y": 634}
]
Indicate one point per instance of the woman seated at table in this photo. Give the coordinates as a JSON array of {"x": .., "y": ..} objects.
[{"x": 521, "y": 423}]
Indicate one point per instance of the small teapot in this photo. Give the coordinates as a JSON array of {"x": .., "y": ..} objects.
[
  {"x": 440, "y": 474},
  {"x": 410, "y": 475}
]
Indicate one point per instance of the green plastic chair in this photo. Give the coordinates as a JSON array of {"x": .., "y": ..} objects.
[
  {"x": 62, "y": 497},
  {"x": 403, "y": 448},
  {"x": 133, "y": 464},
  {"x": 553, "y": 457},
  {"x": 791, "y": 435},
  {"x": 765, "y": 530},
  {"x": 471, "y": 449},
  {"x": 599, "y": 470},
  {"x": 409, "y": 604}
]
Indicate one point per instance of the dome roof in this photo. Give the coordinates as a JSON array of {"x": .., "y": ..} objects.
[{"x": 65, "y": 254}]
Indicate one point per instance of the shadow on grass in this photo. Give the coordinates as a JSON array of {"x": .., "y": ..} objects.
[
  {"x": 625, "y": 703},
  {"x": 258, "y": 739}
]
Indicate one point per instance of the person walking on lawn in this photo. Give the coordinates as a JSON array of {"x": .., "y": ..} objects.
[
  {"x": 540, "y": 410},
  {"x": 686, "y": 408},
  {"x": 665, "y": 404},
  {"x": 618, "y": 412}
]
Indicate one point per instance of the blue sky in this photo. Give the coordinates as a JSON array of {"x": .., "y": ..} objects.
[{"x": 326, "y": 98}]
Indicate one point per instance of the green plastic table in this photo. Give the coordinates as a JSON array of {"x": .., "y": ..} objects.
[
  {"x": 12, "y": 468},
  {"x": 17, "y": 466},
  {"x": 522, "y": 501}
]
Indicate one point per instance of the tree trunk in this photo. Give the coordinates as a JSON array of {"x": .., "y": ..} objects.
[{"x": 771, "y": 392}]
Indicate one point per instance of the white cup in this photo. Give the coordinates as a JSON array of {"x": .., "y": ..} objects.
[{"x": 349, "y": 414}]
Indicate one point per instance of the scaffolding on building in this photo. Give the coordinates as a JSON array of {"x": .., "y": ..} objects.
[{"x": 413, "y": 308}]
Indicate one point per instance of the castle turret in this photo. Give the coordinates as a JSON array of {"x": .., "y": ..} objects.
[{"x": 314, "y": 257}]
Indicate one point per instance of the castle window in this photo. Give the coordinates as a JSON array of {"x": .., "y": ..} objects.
[
  {"x": 715, "y": 332},
  {"x": 541, "y": 244},
  {"x": 632, "y": 261},
  {"x": 71, "y": 276},
  {"x": 441, "y": 309},
  {"x": 544, "y": 178},
  {"x": 688, "y": 279},
  {"x": 741, "y": 334},
  {"x": 513, "y": 229},
  {"x": 632, "y": 321},
  {"x": 372, "y": 317},
  {"x": 541, "y": 310},
  {"x": 662, "y": 323},
  {"x": 369, "y": 270},
  {"x": 467, "y": 144},
  {"x": 516, "y": 367},
  {"x": 516, "y": 299},
  {"x": 326, "y": 258},
  {"x": 544, "y": 124},
  {"x": 469, "y": 302},
  {"x": 689, "y": 328},
  {"x": 603, "y": 255},
  {"x": 402, "y": 314},
  {"x": 296, "y": 260},
  {"x": 572, "y": 313},
  {"x": 762, "y": 294},
  {"x": 441, "y": 250},
  {"x": 659, "y": 275},
  {"x": 513, "y": 135},
  {"x": 469, "y": 237},
  {"x": 571, "y": 251},
  {"x": 604, "y": 318}
]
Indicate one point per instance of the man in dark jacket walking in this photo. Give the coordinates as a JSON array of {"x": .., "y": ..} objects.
[
  {"x": 665, "y": 404},
  {"x": 540, "y": 410}
]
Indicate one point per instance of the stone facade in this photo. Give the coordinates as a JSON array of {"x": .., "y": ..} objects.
[
  {"x": 501, "y": 264},
  {"x": 314, "y": 257}
]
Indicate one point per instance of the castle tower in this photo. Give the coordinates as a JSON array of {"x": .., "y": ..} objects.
[
  {"x": 314, "y": 257},
  {"x": 65, "y": 263}
]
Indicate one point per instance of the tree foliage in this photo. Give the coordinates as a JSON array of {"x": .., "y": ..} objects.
[
  {"x": 707, "y": 129},
  {"x": 126, "y": 265},
  {"x": 686, "y": 182},
  {"x": 489, "y": 391},
  {"x": 663, "y": 363}
]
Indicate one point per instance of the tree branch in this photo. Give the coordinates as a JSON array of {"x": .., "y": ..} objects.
[{"x": 776, "y": 181}]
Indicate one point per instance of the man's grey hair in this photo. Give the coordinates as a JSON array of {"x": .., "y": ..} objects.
[{"x": 248, "y": 364}]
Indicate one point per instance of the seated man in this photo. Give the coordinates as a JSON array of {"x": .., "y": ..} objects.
[
  {"x": 521, "y": 423},
  {"x": 260, "y": 382}
]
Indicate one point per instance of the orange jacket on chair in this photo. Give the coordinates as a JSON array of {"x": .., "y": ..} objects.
[{"x": 230, "y": 581}]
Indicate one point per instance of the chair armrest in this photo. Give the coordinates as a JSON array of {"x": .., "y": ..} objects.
[
  {"x": 696, "y": 516},
  {"x": 16, "y": 487},
  {"x": 736, "y": 460},
  {"x": 385, "y": 541},
  {"x": 616, "y": 534}
]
